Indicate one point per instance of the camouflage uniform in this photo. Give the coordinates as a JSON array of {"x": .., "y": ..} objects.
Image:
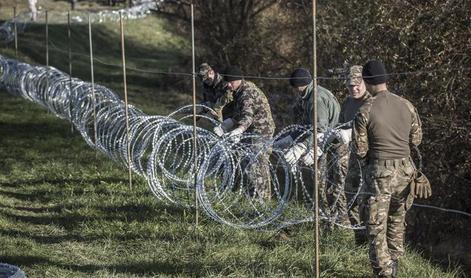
[
  {"x": 252, "y": 112},
  {"x": 348, "y": 168},
  {"x": 327, "y": 117},
  {"x": 224, "y": 106},
  {"x": 336, "y": 191},
  {"x": 382, "y": 131},
  {"x": 353, "y": 180},
  {"x": 215, "y": 93}
]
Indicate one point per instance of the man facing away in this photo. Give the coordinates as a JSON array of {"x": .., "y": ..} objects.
[{"x": 383, "y": 130}]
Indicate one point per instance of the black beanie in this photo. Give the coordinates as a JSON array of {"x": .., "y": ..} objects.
[
  {"x": 232, "y": 73},
  {"x": 300, "y": 77},
  {"x": 374, "y": 73}
]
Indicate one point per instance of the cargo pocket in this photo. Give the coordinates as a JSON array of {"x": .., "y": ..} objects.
[
  {"x": 379, "y": 180},
  {"x": 372, "y": 211}
]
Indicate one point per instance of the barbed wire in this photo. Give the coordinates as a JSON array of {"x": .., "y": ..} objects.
[
  {"x": 336, "y": 76},
  {"x": 341, "y": 77},
  {"x": 141, "y": 9},
  {"x": 160, "y": 141},
  {"x": 443, "y": 209},
  {"x": 162, "y": 152}
]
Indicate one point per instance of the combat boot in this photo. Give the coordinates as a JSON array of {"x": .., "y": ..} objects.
[{"x": 394, "y": 268}]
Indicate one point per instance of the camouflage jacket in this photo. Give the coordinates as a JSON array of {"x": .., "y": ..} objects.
[
  {"x": 224, "y": 105},
  {"x": 252, "y": 111},
  {"x": 385, "y": 126}
]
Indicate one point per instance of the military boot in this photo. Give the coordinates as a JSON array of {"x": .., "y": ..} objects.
[{"x": 394, "y": 268}]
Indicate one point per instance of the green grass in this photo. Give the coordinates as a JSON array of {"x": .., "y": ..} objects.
[
  {"x": 152, "y": 44},
  {"x": 67, "y": 212}
]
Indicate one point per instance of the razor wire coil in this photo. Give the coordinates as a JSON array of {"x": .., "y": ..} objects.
[{"x": 161, "y": 150}]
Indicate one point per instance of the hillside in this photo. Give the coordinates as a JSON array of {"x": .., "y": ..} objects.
[{"x": 67, "y": 212}]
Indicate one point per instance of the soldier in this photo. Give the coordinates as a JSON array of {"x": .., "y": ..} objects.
[
  {"x": 327, "y": 117},
  {"x": 252, "y": 115},
  {"x": 347, "y": 174},
  {"x": 216, "y": 95},
  {"x": 383, "y": 128}
]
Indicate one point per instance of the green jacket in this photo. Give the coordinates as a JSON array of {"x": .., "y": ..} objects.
[{"x": 328, "y": 110}]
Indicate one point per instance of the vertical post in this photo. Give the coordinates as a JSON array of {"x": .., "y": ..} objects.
[
  {"x": 15, "y": 32},
  {"x": 123, "y": 56},
  {"x": 47, "y": 38},
  {"x": 69, "y": 41},
  {"x": 92, "y": 79},
  {"x": 47, "y": 48},
  {"x": 195, "y": 153},
  {"x": 314, "y": 125}
]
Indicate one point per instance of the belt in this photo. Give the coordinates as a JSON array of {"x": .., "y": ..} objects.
[{"x": 391, "y": 162}]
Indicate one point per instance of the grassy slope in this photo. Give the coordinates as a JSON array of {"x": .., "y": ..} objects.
[{"x": 66, "y": 212}]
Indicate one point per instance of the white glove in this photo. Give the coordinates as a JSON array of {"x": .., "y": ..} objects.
[
  {"x": 227, "y": 124},
  {"x": 294, "y": 153},
  {"x": 235, "y": 134},
  {"x": 308, "y": 159},
  {"x": 320, "y": 138},
  {"x": 218, "y": 131},
  {"x": 283, "y": 142},
  {"x": 344, "y": 135}
]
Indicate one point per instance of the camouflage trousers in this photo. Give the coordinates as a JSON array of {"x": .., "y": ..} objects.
[
  {"x": 259, "y": 177},
  {"x": 323, "y": 182},
  {"x": 336, "y": 189},
  {"x": 332, "y": 169},
  {"x": 388, "y": 182},
  {"x": 356, "y": 196},
  {"x": 257, "y": 171}
]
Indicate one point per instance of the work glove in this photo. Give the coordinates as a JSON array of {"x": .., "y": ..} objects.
[
  {"x": 308, "y": 159},
  {"x": 283, "y": 142},
  {"x": 294, "y": 153},
  {"x": 420, "y": 186},
  {"x": 218, "y": 131},
  {"x": 320, "y": 137},
  {"x": 224, "y": 127},
  {"x": 236, "y": 134},
  {"x": 344, "y": 135}
]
